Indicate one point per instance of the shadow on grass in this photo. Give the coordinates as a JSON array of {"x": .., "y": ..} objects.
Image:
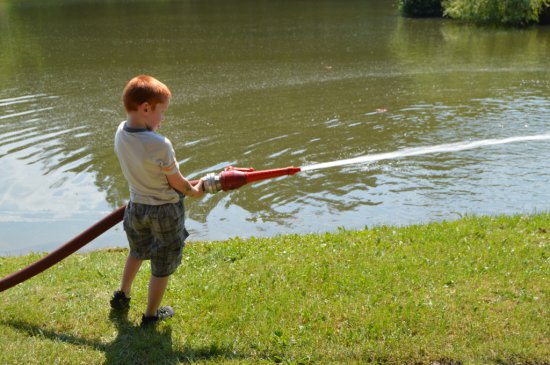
[{"x": 133, "y": 345}]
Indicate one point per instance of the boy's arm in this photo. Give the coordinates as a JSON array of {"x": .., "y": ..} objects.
[{"x": 181, "y": 184}]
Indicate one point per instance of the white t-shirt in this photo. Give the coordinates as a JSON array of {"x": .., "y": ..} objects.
[{"x": 146, "y": 158}]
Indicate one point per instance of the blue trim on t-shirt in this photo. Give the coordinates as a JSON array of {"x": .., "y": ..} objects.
[{"x": 133, "y": 130}]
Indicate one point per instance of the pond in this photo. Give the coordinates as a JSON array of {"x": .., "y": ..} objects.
[{"x": 269, "y": 84}]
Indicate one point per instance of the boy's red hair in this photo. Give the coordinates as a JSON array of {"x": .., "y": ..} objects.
[{"x": 143, "y": 89}]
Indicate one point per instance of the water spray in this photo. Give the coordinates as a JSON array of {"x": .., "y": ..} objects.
[
  {"x": 233, "y": 178},
  {"x": 417, "y": 151}
]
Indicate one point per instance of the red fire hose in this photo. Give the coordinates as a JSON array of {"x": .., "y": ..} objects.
[
  {"x": 231, "y": 178},
  {"x": 60, "y": 253}
]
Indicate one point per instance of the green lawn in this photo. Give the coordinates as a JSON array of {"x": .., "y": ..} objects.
[{"x": 472, "y": 291}]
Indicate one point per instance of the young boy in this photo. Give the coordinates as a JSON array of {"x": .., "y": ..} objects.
[{"x": 154, "y": 217}]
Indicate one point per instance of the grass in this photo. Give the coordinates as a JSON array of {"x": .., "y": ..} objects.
[{"x": 472, "y": 291}]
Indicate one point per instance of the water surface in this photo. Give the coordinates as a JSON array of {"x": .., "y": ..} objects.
[{"x": 268, "y": 84}]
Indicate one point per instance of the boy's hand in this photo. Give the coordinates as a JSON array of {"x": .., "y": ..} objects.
[
  {"x": 180, "y": 183},
  {"x": 200, "y": 187}
]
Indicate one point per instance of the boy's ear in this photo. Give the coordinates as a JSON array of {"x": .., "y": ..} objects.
[{"x": 145, "y": 107}]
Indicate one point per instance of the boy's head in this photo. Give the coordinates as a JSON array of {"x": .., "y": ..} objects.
[{"x": 144, "y": 89}]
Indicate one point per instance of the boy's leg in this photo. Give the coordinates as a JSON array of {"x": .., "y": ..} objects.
[
  {"x": 130, "y": 270},
  {"x": 170, "y": 234},
  {"x": 157, "y": 287}
]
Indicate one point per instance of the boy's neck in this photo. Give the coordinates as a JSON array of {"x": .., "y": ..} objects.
[{"x": 133, "y": 121}]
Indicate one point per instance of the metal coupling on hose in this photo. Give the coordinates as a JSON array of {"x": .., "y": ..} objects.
[{"x": 212, "y": 183}]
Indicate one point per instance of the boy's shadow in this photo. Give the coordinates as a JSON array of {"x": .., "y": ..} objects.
[{"x": 133, "y": 345}]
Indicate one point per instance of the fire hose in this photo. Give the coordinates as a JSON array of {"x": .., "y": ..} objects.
[{"x": 229, "y": 179}]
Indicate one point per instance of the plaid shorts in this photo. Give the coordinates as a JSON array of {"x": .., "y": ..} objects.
[{"x": 156, "y": 233}]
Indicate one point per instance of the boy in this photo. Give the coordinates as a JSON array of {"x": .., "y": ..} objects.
[{"x": 154, "y": 217}]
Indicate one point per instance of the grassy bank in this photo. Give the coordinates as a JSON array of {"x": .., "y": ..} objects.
[{"x": 470, "y": 291}]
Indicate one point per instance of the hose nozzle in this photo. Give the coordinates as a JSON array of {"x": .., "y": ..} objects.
[{"x": 235, "y": 177}]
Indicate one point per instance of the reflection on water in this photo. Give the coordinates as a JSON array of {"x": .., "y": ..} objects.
[
  {"x": 268, "y": 84},
  {"x": 48, "y": 189}
]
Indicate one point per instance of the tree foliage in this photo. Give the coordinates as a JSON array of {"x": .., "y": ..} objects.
[{"x": 507, "y": 12}]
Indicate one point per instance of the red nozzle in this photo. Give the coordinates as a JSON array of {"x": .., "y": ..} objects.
[
  {"x": 269, "y": 174},
  {"x": 234, "y": 178}
]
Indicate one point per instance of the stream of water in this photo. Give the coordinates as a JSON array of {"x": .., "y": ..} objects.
[{"x": 418, "y": 151}]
